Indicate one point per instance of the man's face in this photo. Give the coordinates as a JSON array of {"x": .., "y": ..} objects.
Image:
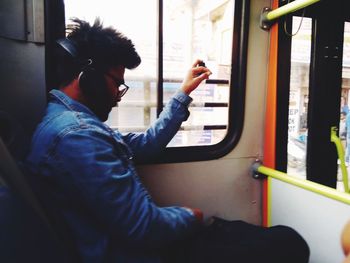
[
  {"x": 115, "y": 84},
  {"x": 102, "y": 105}
]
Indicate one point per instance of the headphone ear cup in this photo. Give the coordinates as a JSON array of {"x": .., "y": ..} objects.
[{"x": 92, "y": 83}]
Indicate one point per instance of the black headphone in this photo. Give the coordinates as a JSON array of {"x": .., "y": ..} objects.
[{"x": 90, "y": 79}]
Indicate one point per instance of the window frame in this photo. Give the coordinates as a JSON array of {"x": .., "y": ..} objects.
[
  {"x": 236, "y": 98},
  {"x": 55, "y": 24}
]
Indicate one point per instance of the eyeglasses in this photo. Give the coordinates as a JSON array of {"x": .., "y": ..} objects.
[{"x": 122, "y": 87}]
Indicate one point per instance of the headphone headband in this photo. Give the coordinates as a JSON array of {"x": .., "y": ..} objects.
[{"x": 69, "y": 46}]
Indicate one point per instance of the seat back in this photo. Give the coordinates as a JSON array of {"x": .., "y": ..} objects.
[
  {"x": 26, "y": 230},
  {"x": 23, "y": 236}
]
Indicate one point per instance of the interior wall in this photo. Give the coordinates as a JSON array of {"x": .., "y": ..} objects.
[
  {"x": 22, "y": 72},
  {"x": 22, "y": 90}
]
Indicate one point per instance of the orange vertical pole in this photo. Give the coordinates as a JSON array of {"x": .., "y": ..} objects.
[{"x": 270, "y": 116}]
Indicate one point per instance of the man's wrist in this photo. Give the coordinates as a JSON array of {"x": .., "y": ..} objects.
[
  {"x": 196, "y": 212},
  {"x": 183, "y": 98}
]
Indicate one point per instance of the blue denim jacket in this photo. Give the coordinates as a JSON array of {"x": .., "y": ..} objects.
[{"x": 90, "y": 172}]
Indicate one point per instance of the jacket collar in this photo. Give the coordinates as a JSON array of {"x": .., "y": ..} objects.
[{"x": 68, "y": 102}]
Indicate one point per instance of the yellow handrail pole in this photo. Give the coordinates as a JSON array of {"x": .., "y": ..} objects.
[
  {"x": 335, "y": 139},
  {"x": 267, "y": 15},
  {"x": 302, "y": 183},
  {"x": 289, "y": 8}
]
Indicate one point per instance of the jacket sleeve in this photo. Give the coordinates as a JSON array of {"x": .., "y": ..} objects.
[
  {"x": 160, "y": 133},
  {"x": 110, "y": 190}
]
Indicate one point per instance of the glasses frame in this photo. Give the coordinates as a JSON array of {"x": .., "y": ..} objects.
[{"x": 119, "y": 83}]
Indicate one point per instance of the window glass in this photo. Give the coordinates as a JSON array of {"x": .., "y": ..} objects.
[
  {"x": 191, "y": 29},
  {"x": 199, "y": 29},
  {"x": 298, "y": 96},
  {"x": 344, "y": 125}
]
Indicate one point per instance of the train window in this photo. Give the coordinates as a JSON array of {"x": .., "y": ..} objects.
[
  {"x": 186, "y": 30},
  {"x": 299, "y": 95},
  {"x": 344, "y": 129},
  {"x": 313, "y": 92}
]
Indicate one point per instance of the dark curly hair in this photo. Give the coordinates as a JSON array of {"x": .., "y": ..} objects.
[{"x": 105, "y": 46}]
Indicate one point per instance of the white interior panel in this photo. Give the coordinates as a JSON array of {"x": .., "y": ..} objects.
[{"x": 317, "y": 218}]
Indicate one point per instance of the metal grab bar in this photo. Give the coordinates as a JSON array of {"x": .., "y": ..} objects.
[
  {"x": 335, "y": 139},
  {"x": 320, "y": 189},
  {"x": 268, "y": 15}
]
